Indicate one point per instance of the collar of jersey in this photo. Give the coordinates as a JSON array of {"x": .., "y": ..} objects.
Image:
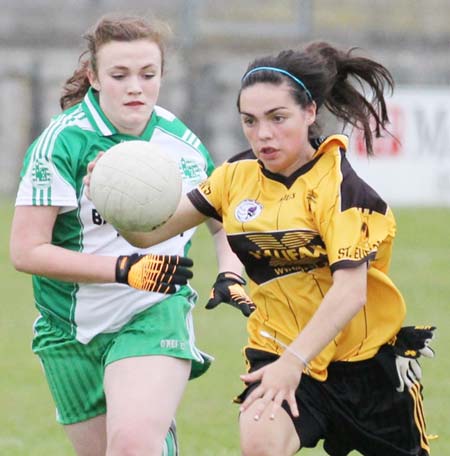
[
  {"x": 102, "y": 124},
  {"x": 330, "y": 142},
  {"x": 324, "y": 145}
]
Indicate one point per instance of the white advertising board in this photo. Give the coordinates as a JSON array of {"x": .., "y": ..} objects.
[{"x": 415, "y": 170}]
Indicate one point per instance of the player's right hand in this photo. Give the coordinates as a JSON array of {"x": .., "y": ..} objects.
[
  {"x": 156, "y": 273},
  {"x": 87, "y": 178}
]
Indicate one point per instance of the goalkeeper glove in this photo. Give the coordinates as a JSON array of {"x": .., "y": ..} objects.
[
  {"x": 411, "y": 343},
  {"x": 157, "y": 273},
  {"x": 229, "y": 288},
  {"x": 400, "y": 359}
]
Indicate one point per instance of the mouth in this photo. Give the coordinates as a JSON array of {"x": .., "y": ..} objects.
[
  {"x": 268, "y": 151},
  {"x": 133, "y": 104}
]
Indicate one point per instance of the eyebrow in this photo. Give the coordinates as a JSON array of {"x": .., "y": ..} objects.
[
  {"x": 123, "y": 67},
  {"x": 270, "y": 111}
]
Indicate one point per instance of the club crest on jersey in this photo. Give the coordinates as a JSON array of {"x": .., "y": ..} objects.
[
  {"x": 247, "y": 210},
  {"x": 41, "y": 176}
]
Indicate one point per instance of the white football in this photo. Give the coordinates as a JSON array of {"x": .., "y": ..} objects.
[{"x": 135, "y": 186}]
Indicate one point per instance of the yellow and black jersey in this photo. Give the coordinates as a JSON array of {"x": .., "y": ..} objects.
[{"x": 292, "y": 233}]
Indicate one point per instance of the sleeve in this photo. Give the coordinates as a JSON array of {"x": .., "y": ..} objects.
[
  {"x": 356, "y": 224},
  {"x": 207, "y": 197},
  {"x": 47, "y": 177},
  {"x": 210, "y": 166}
]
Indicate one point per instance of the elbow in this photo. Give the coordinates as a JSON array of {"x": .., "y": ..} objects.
[
  {"x": 356, "y": 300},
  {"x": 21, "y": 257},
  {"x": 360, "y": 302},
  {"x": 19, "y": 261}
]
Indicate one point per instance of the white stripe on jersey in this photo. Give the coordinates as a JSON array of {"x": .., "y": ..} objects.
[{"x": 98, "y": 120}]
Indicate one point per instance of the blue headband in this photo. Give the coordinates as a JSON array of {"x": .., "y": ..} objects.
[{"x": 279, "y": 70}]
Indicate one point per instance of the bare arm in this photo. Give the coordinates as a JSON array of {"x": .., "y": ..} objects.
[
  {"x": 342, "y": 302},
  {"x": 226, "y": 258},
  {"x": 31, "y": 250},
  {"x": 280, "y": 379},
  {"x": 185, "y": 217}
]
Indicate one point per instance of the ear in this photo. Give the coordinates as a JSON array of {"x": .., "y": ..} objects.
[
  {"x": 92, "y": 78},
  {"x": 310, "y": 112}
]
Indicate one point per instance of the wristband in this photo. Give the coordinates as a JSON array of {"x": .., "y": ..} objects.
[{"x": 288, "y": 349}]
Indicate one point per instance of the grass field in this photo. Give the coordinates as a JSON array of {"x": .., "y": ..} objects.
[{"x": 207, "y": 420}]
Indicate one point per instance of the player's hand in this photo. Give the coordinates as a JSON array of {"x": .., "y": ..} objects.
[
  {"x": 87, "y": 178},
  {"x": 278, "y": 383},
  {"x": 411, "y": 342},
  {"x": 229, "y": 288},
  {"x": 157, "y": 273},
  {"x": 400, "y": 359}
]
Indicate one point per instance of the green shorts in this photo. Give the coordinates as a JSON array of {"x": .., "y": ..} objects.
[{"x": 75, "y": 371}]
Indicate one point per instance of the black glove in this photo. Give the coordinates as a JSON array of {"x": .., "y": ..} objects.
[
  {"x": 229, "y": 288},
  {"x": 400, "y": 359},
  {"x": 157, "y": 273}
]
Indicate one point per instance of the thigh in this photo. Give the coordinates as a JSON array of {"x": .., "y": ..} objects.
[
  {"x": 143, "y": 394},
  {"x": 74, "y": 372},
  {"x": 267, "y": 436},
  {"x": 88, "y": 437},
  {"x": 164, "y": 329}
]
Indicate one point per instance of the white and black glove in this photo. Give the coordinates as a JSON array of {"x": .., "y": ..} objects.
[
  {"x": 400, "y": 359},
  {"x": 411, "y": 343}
]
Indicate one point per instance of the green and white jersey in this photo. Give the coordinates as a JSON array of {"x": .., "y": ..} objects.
[{"x": 52, "y": 175}]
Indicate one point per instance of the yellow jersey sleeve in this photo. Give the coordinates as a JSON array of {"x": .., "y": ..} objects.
[{"x": 355, "y": 223}]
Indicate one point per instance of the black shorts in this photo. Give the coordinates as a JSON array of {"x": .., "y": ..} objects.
[{"x": 356, "y": 408}]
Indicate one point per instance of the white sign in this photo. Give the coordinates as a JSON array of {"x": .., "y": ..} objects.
[{"x": 413, "y": 169}]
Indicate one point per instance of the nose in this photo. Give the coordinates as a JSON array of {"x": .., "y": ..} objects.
[
  {"x": 134, "y": 85},
  {"x": 264, "y": 130}
]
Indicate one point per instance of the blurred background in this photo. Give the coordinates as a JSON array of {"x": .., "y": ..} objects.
[{"x": 213, "y": 41}]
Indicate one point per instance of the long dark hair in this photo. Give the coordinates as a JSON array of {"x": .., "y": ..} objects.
[
  {"x": 334, "y": 78},
  {"x": 110, "y": 28}
]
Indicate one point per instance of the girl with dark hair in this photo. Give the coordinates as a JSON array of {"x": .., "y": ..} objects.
[{"x": 325, "y": 340}]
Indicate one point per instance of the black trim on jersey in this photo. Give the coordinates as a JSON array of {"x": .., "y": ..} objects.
[
  {"x": 348, "y": 264},
  {"x": 201, "y": 204},
  {"x": 357, "y": 193},
  {"x": 245, "y": 155},
  {"x": 289, "y": 181}
]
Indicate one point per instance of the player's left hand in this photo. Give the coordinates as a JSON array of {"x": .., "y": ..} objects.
[
  {"x": 157, "y": 273},
  {"x": 229, "y": 288},
  {"x": 87, "y": 178},
  {"x": 412, "y": 342}
]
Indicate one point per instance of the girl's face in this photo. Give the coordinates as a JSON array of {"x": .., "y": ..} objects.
[
  {"x": 277, "y": 127},
  {"x": 128, "y": 80}
]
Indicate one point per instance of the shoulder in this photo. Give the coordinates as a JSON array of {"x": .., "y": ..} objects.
[
  {"x": 355, "y": 192},
  {"x": 351, "y": 189},
  {"x": 245, "y": 155},
  {"x": 172, "y": 128},
  {"x": 169, "y": 122},
  {"x": 67, "y": 128}
]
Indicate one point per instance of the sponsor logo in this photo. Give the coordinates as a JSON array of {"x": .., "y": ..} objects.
[
  {"x": 41, "y": 176},
  {"x": 172, "y": 343},
  {"x": 247, "y": 210},
  {"x": 191, "y": 170}
]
